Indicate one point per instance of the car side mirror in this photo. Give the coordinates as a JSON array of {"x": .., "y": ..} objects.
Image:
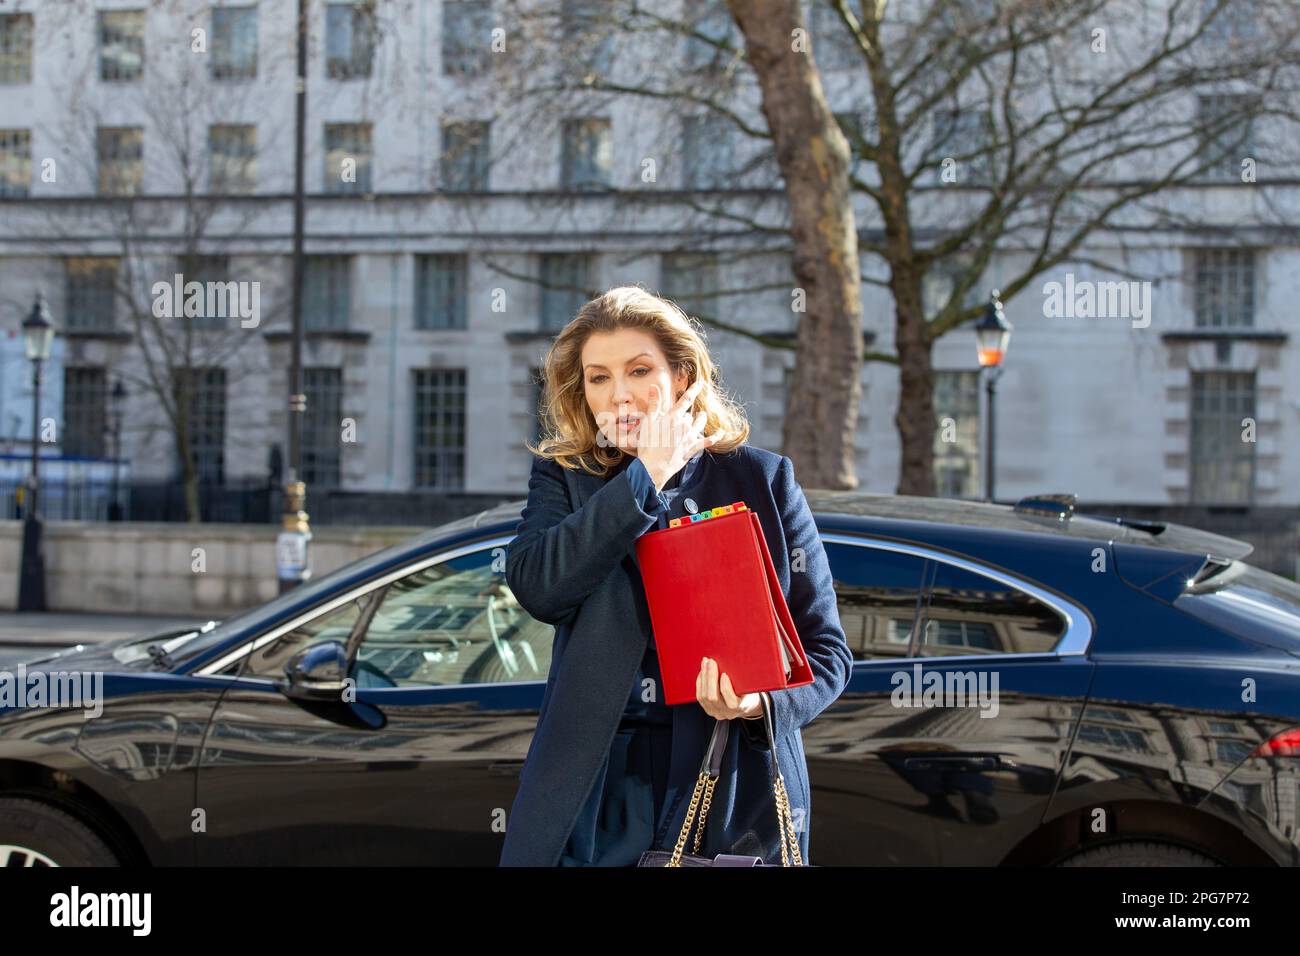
[{"x": 317, "y": 672}]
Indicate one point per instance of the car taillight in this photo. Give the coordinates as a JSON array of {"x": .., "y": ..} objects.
[{"x": 1285, "y": 744}]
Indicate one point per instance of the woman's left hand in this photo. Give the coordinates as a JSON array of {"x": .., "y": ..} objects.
[{"x": 719, "y": 699}]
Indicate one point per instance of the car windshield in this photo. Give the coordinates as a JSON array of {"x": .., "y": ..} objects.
[{"x": 1247, "y": 601}]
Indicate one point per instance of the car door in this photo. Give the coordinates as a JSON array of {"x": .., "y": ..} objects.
[
  {"x": 861, "y": 809},
  {"x": 422, "y": 765},
  {"x": 963, "y": 734}
]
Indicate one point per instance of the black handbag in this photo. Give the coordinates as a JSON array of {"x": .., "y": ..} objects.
[{"x": 710, "y": 769}]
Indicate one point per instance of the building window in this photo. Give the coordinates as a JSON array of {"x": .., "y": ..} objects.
[
  {"x": 233, "y": 159},
  {"x": 85, "y": 402},
  {"x": 860, "y": 129},
  {"x": 833, "y": 45},
  {"x": 347, "y": 158},
  {"x": 713, "y": 39},
  {"x": 1231, "y": 23},
  {"x": 587, "y": 156},
  {"x": 350, "y": 34},
  {"x": 956, "y": 462},
  {"x": 690, "y": 279},
  {"x": 220, "y": 292},
  {"x": 322, "y": 426},
  {"x": 1227, "y": 134},
  {"x": 1223, "y": 465},
  {"x": 466, "y": 37},
  {"x": 440, "y": 301},
  {"x": 1225, "y": 288},
  {"x": 465, "y": 156},
  {"x": 564, "y": 278},
  {"x": 201, "y": 392},
  {"x": 706, "y": 149},
  {"x": 15, "y": 162},
  {"x": 15, "y": 47},
  {"x": 327, "y": 292},
  {"x": 966, "y": 137},
  {"x": 121, "y": 44},
  {"x": 439, "y": 429},
  {"x": 121, "y": 160},
  {"x": 588, "y": 30},
  {"x": 537, "y": 386},
  {"x": 234, "y": 43},
  {"x": 941, "y": 280},
  {"x": 91, "y": 284}
]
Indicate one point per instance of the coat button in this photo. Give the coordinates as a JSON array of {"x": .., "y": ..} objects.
[{"x": 691, "y": 506}]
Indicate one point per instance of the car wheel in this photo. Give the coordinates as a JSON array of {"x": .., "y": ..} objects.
[
  {"x": 33, "y": 833},
  {"x": 1138, "y": 853}
]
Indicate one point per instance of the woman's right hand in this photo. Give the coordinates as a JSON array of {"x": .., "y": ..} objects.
[{"x": 670, "y": 437}]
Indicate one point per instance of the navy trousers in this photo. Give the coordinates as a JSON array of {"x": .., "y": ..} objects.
[{"x": 617, "y": 823}]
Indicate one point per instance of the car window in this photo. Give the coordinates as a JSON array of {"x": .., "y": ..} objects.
[
  {"x": 269, "y": 660},
  {"x": 456, "y": 622},
  {"x": 877, "y": 592},
  {"x": 970, "y": 613}
]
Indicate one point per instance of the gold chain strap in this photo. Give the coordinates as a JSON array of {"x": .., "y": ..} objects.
[
  {"x": 686, "y": 824},
  {"x": 703, "y": 794},
  {"x": 785, "y": 822}
]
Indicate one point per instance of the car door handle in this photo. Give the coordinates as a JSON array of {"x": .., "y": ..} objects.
[{"x": 505, "y": 768}]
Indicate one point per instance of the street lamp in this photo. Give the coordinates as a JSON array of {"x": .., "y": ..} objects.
[
  {"x": 117, "y": 399},
  {"x": 992, "y": 333},
  {"x": 38, "y": 333}
]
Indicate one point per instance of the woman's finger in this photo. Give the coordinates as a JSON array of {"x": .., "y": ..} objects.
[
  {"x": 688, "y": 396},
  {"x": 728, "y": 693}
]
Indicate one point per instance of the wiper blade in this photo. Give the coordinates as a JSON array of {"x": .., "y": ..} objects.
[{"x": 158, "y": 654}]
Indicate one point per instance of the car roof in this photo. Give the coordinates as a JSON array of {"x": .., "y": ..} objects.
[
  {"x": 900, "y": 516},
  {"x": 950, "y": 521}
]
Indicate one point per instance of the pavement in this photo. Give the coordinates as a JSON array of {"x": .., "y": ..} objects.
[{"x": 23, "y": 634}]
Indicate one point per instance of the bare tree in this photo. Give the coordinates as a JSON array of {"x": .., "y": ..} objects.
[
  {"x": 1020, "y": 128},
  {"x": 189, "y": 223}
]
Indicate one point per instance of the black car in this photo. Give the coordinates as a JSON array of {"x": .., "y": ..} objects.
[{"x": 1031, "y": 686}]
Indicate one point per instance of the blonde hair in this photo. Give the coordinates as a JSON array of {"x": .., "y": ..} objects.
[{"x": 570, "y": 430}]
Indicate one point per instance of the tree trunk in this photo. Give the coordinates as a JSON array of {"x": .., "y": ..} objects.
[
  {"x": 821, "y": 415},
  {"x": 914, "y": 418}
]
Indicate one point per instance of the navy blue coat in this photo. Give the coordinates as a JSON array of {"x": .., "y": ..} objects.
[{"x": 572, "y": 563}]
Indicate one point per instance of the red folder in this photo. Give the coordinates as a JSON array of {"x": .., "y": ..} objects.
[{"x": 713, "y": 592}]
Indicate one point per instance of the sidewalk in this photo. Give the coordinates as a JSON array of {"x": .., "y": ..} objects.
[{"x": 61, "y": 629}]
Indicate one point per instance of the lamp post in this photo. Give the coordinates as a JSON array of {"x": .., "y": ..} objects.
[
  {"x": 293, "y": 563},
  {"x": 117, "y": 399},
  {"x": 38, "y": 333},
  {"x": 992, "y": 333}
]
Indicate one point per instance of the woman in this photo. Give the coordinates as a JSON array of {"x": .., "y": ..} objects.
[{"x": 639, "y": 433}]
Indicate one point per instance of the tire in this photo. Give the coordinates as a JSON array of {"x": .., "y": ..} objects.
[
  {"x": 33, "y": 833},
  {"x": 1138, "y": 853}
]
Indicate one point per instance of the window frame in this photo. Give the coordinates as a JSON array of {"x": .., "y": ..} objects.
[
  {"x": 100, "y": 24},
  {"x": 16, "y": 23},
  {"x": 229, "y": 70},
  {"x": 363, "y": 29},
  {"x": 1073, "y": 642}
]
